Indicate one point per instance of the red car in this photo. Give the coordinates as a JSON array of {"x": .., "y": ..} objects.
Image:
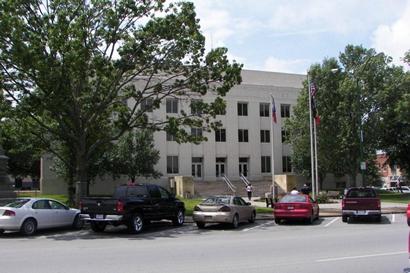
[
  {"x": 408, "y": 214},
  {"x": 296, "y": 206}
]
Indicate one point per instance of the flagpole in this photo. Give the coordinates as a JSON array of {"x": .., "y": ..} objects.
[
  {"x": 316, "y": 166},
  {"x": 272, "y": 151},
  {"x": 312, "y": 163}
]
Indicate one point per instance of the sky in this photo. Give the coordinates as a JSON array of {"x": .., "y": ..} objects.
[{"x": 290, "y": 35}]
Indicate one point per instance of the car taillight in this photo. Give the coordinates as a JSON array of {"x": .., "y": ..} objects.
[
  {"x": 343, "y": 203},
  {"x": 119, "y": 206},
  {"x": 225, "y": 209},
  {"x": 9, "y": 213},
  {"x": 196, "y": 208}
]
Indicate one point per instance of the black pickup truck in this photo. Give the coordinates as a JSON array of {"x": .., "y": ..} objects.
[{"x": 132, "y": 205}]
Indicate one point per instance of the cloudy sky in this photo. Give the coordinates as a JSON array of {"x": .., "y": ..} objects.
[{"x": 290, "y": 35}]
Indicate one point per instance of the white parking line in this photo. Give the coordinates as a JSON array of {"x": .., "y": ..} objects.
[
  {"x": 331, "y": 222},
  {"x": 393, "y": 217},
  {"x": 360, "y": 257},
  {"x": 263, "y": 225}
]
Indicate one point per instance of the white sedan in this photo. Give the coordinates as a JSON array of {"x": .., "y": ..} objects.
[{"x": 29, "y": 214}]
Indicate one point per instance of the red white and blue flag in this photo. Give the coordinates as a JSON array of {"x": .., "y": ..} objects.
[
  {"x": 273, "y": 110},
  {"x": 315, "y": 112}
]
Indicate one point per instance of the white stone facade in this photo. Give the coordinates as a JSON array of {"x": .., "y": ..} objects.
[{"x": 256, "y": 88}]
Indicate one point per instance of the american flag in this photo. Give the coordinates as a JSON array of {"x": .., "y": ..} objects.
[
  {"x": 313, "y": 89},
  {"x": 273, "y": 111}
]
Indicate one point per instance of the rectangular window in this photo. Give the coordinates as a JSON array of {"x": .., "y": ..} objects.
[
  {"x": 220, "y": 166},
  {"x": 265, "y": 164},
  {"x": 265, "y": 136},
  {"x": 242, "y": 109},
  {"x": 264, "y": 109},
  {"x": 285, "y": 110},
  {"x": 172, "y": 164},
  {"x": 286, "y": 164},
  {"x": 196, "y": 107},
  {"x": 196, "y": 132},
  {"x": 170, "y": 137},
  {"x": 147, "y": 104},
  {"x": 220, "y": 135},
  {"x": 172, "y": 106},
  {"x": 243, "y": 135},
  {"x": 285, "y": 136}
]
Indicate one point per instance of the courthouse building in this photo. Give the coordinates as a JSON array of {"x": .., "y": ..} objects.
[{"x": 241, "y": 146}]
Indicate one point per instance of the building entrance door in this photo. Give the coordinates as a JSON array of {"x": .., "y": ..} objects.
[{"x": 243, "y": 166}]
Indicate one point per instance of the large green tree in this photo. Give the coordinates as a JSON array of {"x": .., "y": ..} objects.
[
  {"x": 395, "y": 118},
  {"x": 74, "y": 63},
  {"x": 348, "y": 101}
]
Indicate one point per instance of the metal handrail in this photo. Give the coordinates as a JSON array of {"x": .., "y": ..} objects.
[
  {"x": 229, "y": 183},
  {"x": 244, "y": 179}
]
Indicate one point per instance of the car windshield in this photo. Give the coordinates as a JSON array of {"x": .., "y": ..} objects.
[
  {"x": 293, "y": 198},
  {"x": 17, "y": 203},
  {"x": 217, "y": 200},
  {"x": 361, "y": 193}
]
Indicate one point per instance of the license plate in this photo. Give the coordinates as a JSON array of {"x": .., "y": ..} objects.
[
  {"x": 290, "y": 208},
  {"x": 99, "y": 216},
  {"x": 361, "y": 212},
  {"x": 208, "y": 217}
]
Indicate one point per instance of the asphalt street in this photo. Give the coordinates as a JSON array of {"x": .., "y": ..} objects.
[{"x": 327, "y": 246}]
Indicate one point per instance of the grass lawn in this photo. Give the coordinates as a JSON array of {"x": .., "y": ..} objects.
[
  {"x": 395, "y": 197},
  {"x": 59, "y": 197}
]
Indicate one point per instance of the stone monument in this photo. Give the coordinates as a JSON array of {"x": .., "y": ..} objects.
[{"x": 6, "y": 189}]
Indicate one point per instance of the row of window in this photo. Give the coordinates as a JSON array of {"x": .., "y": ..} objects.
[
  {"x": 243, "y": 135},
  {"x": 242, "y": 110},
  {"x": 220, "y": 165}
]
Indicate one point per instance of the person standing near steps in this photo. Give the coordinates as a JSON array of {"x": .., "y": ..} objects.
[{"x": 249, "y": 191}]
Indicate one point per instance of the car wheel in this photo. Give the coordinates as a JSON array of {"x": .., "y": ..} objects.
[
  {"x": 311, "y": 219},
  {"x": 253, "y": 216},
  {"x": 200, "y": 224},
  {"x": 179, "y": 218},
  {"x": 235, "y": 221},
  {"x": 344, "y": 219},
  {"x": 98, "y": 226},
  {"x": 29, "y": 227},
  {"x": 278, "y": 221},
  {"x": 136, "y": 223},
  {"x": 78, "y": 223}
]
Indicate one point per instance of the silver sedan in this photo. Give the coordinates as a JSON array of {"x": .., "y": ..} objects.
[
  {"x": 223, "y": 209},
  {"x": 29, "y": 214}
]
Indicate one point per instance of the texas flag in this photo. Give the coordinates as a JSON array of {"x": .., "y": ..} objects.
[{"x": 273, "y": 110}]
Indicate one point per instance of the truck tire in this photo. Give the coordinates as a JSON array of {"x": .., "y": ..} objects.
[
  {"x": 179, "y": 219},
  {"x": 136, "y": 223},
  {"x": 344, "y": 219},
  {"x": 98, "y": 226},
  {"x": 378, "y": 218},
  {"x": 277, "y": 221}
]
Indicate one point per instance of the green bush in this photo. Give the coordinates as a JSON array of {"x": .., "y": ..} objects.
[{"x": 322, "y": 198}]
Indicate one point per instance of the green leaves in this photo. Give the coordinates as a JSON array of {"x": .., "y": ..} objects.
[{"x": 83, "y": 68}]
